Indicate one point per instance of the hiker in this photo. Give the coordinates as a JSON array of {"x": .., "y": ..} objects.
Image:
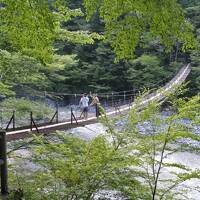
[
  {"x": 84, "y": 105},
  {"x": 96, "y": 103}
]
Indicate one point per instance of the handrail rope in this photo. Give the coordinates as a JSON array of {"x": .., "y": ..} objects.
[
  {"x": 122, "y": 100},
  {"x": 114, "y": 102},
  {"x": 178, "y": 79},
  {"x": 114, "y": 93},
  {"x": 107, "y": 96},
  {"x": 110, "y": 93},
  {"x": 56, "y": 94},
  {"x": 99, "y": 94},
  {"x": 180, "y": 76},
  {"x": 42, "y": 93}
]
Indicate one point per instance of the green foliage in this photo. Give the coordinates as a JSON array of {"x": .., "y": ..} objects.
[
  {"x": 23, "y": 107},
  {"x": 80, "y": 37},
  {"x": 30, "y": 32},
  {"x": 157, "y": 144},
  {"x": 188, "y": 3},
  {"x": 96, "y": 71},
  {"x": 126, "y": 21},
  {"x": 192, "y": 10},
  {"x": 17, "y": 70},
  {"x": 91, "y": 67},
  {"x": 73, "y": 168},
  {"x": 14, "y": 67},
  {"x": 5, "y": 90},
  {"x": 59, "y": 62},
  {"x": 146, "y": 71},
  {"x": 28, "y": 26},
  {"x": 125, "y": 159},
  {"x": 31, "y": 27}
]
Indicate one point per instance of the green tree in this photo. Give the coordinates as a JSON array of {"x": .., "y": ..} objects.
[
  {"x": 130, "y": 159},
  {"x": 66, "y": 28},
  {"x": 149, "y": 71},
  {"x": 31, "y": 27},
  {"x": 126, "y": 21},
  {"x": 29, "y": 34},
  {"x": 28, "y": 74},
  {"x": 192, "y": 10}
]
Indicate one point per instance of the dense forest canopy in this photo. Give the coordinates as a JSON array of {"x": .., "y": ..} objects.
[
  {"x": 76, "y": 46},
  {"x": 31, "y": 27},
  {"x": 127, "y": 21},
  {"x": 49, "y": 45}
]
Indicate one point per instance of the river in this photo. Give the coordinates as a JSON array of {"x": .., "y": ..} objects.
[{"x": 89, "y": 132}]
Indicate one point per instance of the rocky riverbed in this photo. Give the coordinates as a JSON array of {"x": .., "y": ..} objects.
[{"x": 89, "y": 132}]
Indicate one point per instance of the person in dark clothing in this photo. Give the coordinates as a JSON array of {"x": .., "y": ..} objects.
[{"x": 96, "y": 103}]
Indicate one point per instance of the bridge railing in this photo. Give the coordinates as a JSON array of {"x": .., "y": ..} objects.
[
  {"x": 3, "y": 163},
  {"x": 170, "y": 86},
  {"x": 13, "y": 120}
]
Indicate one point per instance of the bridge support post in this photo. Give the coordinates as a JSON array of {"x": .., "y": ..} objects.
[
  {"x": 71, "y": 116},
  {"x": 107, "y": 102},
  {"x": 97, "y": 110},
  {"x": 3, "y": 163},
  {"x": 13, "y": 119},
  {"x": 31, "y": 118},
  {"x": 56, "y": 112},
  {"x": 75, "y": 95},
  {"x": 33, "y": 123}
]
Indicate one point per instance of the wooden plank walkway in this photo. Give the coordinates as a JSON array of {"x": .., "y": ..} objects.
[{"x": 159, "y": 95}]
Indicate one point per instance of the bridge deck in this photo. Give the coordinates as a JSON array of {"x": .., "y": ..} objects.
[{"x": 159, "y": 95}]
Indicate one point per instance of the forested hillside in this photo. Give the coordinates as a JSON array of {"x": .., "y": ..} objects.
[
  {"x": 192, "y": 10},
  {"x": 51, "y": 51},
  {"x": 85, "y": 62}
]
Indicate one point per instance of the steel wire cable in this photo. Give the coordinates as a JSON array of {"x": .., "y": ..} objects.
[
  {"x": 57, "y": 95},
  {"x": 114, "y": 101}
]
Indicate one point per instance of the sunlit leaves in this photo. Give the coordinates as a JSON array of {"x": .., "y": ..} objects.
[
  {"x": 126, "y": 21},
  {"x": 136, "y": 159},
  {"x": 5, "y": 90},
  {"x": 31, "y": 27},
  {"x": 78, "y": 37}
]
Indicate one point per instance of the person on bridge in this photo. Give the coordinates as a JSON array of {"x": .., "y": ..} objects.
[
  {"x": 96, "y": 103},
  {"x": 84, "y": 103}
]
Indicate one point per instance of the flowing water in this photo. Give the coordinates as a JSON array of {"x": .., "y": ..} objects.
[
  {"x": 188, "y": 159},
  {"x": 89, "y": 132}
]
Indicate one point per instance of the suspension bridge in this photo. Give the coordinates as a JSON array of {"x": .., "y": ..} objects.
[
  {"x": 61, "y": 120},
  {"x": 12, "y": 133}
]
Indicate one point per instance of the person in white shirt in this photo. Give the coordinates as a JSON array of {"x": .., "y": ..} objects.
[{"x": 84, "y": 103}]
